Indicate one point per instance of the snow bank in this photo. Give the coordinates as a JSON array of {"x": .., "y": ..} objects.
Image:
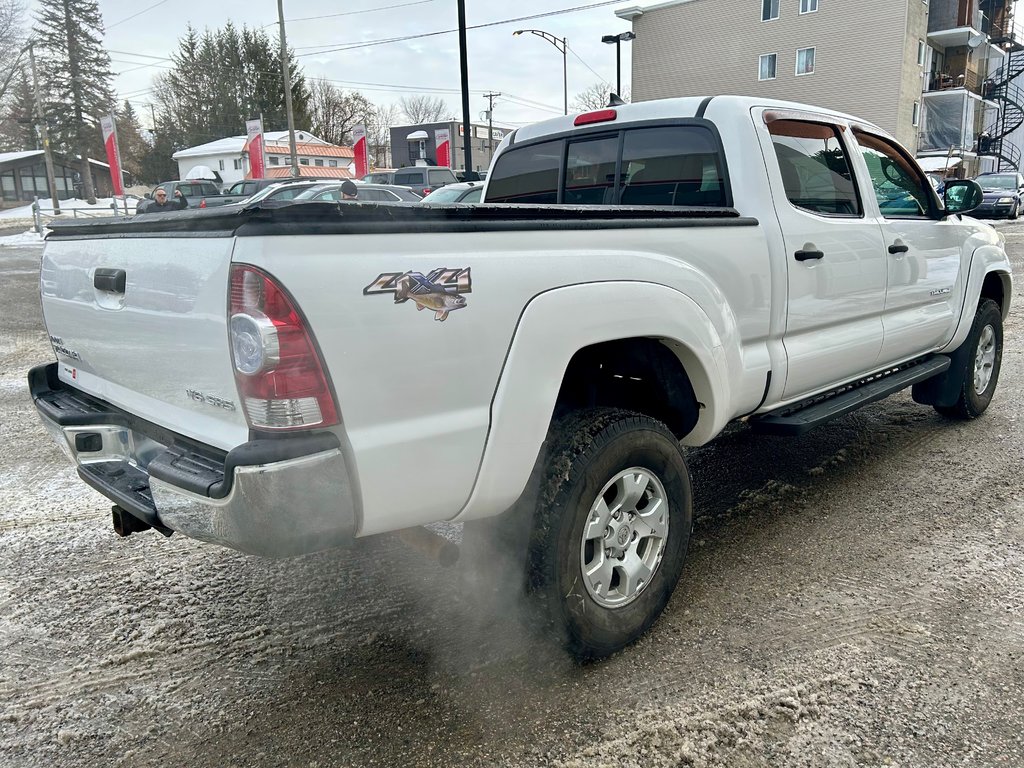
[
  {"x": 102, "y": 206},
  {"x": 28, "y": 238}
]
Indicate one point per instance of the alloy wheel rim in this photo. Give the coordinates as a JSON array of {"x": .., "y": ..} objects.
[
  {"x": 624, "y": 537},
  {"x": 984, "y": 359}
]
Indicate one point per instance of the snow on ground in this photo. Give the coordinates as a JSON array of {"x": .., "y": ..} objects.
[
  {"x": 29, "y": 238},
  {"x": 101, "y": 207}
]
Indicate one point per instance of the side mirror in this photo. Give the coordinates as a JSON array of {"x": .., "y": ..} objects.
[{"x": 962, "y": 195}]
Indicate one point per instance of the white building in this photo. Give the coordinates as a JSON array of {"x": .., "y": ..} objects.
[{"x": 228, "y": 157}]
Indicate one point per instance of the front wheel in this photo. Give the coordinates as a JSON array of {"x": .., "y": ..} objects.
[
  {"x": 981, "y": 373},
  {"x": 611, "y": 528},
  {"x": 1015, "y": 212}
]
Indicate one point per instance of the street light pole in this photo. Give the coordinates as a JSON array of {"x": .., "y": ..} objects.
[
  {"x": 288, "y": 93},
  {"x": 617, "y": 39},
  {"x": 562, "y": 46}
]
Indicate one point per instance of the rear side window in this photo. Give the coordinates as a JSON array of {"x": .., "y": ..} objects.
[
  {"x": 527, "y": 175},
  {"x": 815, "y": 169},
  {"x": 409, "y": 178},
  {"x": 672, "y": 166}
]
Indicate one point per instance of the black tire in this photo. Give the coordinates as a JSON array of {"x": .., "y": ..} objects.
[
  {"x": 586, "y": 450},
  {"x": 1015, "y": 212},
  {"x": 971, "y": 403}
]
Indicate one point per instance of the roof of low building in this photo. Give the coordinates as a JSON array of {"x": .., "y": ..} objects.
[
  {"x": 233, "y": 145},
  {"x": 312, "y": 150},
  {"x": 312, "y": 171}
]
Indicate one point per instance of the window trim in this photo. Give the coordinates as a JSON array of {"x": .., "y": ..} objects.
[
  {"x": 814, "y": 60},
  {"x": 565, "y": 136},
  {"x": 778, "y": 10},
  {"x": 810, "y": 10},
  {"x": 843, "y": 134},
  {"x": 915, "y": 114},
  {"x": 776, "y": 67}
]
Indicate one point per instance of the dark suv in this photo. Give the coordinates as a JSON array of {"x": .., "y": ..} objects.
[{"x": 424, "y": 179}]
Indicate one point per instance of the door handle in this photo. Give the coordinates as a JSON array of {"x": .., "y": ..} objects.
[
  {"x": 110, "y": 280},
  {"x": 807, "y": 255},
  {"x": 898, "y": 247}
]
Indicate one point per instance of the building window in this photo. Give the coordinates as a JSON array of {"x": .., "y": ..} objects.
[
  {"x": 805, "y": 61},
  {"x": 303, "y": 161},
  {"x": 808, "y": 6},
  {"x": 332, "y": 163},
  {"x": 916, "y": 115},
  {"x": 221, "y": 164},
  {"x": 769, "y": 10},
  {"x": 318, "y": 162},
  {"x": 238, "y": 164},
  {"x": 275, "y": 161},
  {"x": 766, "y": 68},
  {"x": 920, "y": 53},
  {"x": 288, "y": 160}
]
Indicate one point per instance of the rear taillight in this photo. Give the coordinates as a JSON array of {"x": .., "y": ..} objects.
[
  {"x": 202, "y": 203},
  {"x": 279, "y": 374},
  {"x": 427, "y": 191}
]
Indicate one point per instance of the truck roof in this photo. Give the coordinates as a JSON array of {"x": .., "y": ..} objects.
[{"x": 688, "y": 106}]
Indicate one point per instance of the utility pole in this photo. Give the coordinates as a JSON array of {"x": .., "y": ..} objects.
[
  {"x": 288, "y": 92},
  {"x": 44, "y": 131},
  {"x": 152, "y": 112},
  {"x": 490, "y": 124},
  {"x": 467, "y": 129}
]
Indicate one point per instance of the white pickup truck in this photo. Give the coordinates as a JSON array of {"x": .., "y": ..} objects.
[{"x": 287, "y": 378}]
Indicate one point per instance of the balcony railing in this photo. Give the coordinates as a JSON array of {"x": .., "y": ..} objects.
[{"x": 967, "y": 79}]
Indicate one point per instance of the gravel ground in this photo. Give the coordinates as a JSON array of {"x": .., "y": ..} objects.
[{"x": 852, "y": 598}]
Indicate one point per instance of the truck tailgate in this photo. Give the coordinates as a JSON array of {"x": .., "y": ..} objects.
[{"x": 142, "y": 324}]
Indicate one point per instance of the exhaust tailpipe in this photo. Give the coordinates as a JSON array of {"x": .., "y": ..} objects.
[{"x": 436, "y": 547}]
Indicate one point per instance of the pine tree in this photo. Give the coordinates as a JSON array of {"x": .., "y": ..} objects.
[
  {"x": 129, "y": 140},
  {"x": 76, "y": 73},
  {"x": 221, "y": 79}
]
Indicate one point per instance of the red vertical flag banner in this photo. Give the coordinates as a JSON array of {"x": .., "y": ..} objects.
[
  {"x": 113, "y": 153},
  {"x": 361, "y": 150},
  {"x": 254, "y": 145},
  {"x": 443, "y": 143}
]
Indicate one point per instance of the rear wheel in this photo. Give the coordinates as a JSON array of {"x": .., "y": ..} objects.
[
  {"x": 981, "y": 373},
  {"x": 611, "y": 528}
]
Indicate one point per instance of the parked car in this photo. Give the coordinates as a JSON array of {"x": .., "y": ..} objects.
[
  {"x": 242, "y": 190},
  {"x": 463, "y": 192},
  {"x": 380, "y": 176},
  {"x": 195, "y": 192},
  {"x": 532, "y": 371},
  {"x": 375, "y": 193},
  {"x": 1003, "y": 195},
  {"x": 424, "y": 178}
]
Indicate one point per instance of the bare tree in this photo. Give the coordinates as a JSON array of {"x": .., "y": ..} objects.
[
  {"x": 595, "y": 97},
  {"x": 424, "y": 109},
  {"x": 12, "y": 30},
  {"x": 333, "y": 112},
  {"x": 378, "y": 133}
]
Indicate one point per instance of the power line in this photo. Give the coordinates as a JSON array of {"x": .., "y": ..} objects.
[
  {"x": 598, "y": 74},
  {"x": 385, "y": 41},
  {"x": 129, "y": 18},
  {"x": 353, "y": 13}
]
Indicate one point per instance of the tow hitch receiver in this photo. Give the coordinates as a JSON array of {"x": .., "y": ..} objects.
[{"x": 126, "y": 524}]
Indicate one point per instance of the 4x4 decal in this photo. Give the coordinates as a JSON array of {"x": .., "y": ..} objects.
[{"x": 440, "y": 290}]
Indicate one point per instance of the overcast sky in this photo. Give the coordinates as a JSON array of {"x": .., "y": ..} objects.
[{"x": 527, "y": 70}]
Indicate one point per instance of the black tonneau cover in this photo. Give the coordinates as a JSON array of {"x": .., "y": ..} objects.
[{"x": 293, "y": 218}]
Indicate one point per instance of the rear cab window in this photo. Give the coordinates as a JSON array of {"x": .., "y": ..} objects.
[
  {"x": 441, "y": 177},
  {"x": 661, "y": 165},
  {"x": 409, "y": 178}
]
